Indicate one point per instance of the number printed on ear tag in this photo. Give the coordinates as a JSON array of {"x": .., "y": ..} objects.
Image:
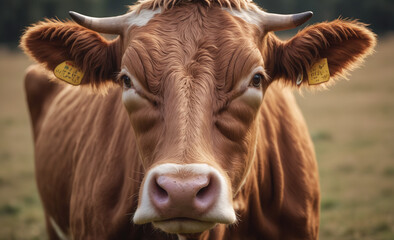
[
  {"x": 69, "y": 72},
  {"x": 319, "y": 72}
]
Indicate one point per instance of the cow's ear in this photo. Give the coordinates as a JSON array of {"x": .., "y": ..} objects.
[
  {"x": 343, "y": 43},
  {"x": 53, "y": 42}
]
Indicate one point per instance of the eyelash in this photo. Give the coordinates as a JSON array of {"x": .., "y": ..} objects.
[
  {"x": 256, "y": 80},
  {"x": 126, "y": 81}
]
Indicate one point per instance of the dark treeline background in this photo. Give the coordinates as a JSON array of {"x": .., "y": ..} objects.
[{"x": 15, "y": 15}]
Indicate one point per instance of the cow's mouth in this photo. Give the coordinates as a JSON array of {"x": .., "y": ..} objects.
[{"x": 183, "y": 225}]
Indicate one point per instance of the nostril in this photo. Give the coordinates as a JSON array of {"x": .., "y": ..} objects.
[
  {"x": 160, "y": 195},
  {"x": 203, "y": 192},
  {"x": 205, "y": 189},
  {"x": 207, "y": 195}
]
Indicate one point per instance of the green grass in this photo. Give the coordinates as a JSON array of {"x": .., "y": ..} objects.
[
  {"x": 21, "y": 215},
  {"x": 9, "y": 210},
  {"x": 352, "y": 126}
]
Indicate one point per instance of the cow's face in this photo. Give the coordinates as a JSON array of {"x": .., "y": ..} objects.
[
  {"x": 193, "y": 80},
  {"x": 193, "y": 90}
]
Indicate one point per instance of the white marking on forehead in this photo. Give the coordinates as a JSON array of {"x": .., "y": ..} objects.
[
  {"x": 143, "y": 17},
  {"x": 252, "y": 16}
]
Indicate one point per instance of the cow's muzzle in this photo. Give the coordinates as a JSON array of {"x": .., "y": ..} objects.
[{"x": 188, "y": 198}]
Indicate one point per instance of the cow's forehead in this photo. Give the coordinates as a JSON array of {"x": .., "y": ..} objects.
[
  {"x": 194, "y": 41},
  {"x": 197, "y": 20}
]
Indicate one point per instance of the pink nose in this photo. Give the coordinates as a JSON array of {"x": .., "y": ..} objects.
[{"x": 183, "y": 196}]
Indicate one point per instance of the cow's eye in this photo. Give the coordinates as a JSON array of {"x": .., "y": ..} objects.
[
  {"x": 126, "y": 81},
  {"x": 256, "y": 80}
]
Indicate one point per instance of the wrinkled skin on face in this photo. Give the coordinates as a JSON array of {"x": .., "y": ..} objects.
[{"x": 192, "y": 98}]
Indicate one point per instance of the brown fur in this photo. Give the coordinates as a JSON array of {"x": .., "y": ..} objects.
[
  {"x": 344, "y": 43},
  {"x": 54, "y": 41},
  {"x": 90, "y": 161}
]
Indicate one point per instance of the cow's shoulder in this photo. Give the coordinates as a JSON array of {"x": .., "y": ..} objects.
[
  {"x": 289, "y": 148},
  {"x": 285, "y": 127},
  {"x": 40, "y": 90}
]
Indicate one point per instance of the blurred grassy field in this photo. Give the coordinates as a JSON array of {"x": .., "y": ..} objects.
[{"x": 352, "y": 126}]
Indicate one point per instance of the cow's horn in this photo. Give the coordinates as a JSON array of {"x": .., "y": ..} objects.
[
  {"x": 110, "y": 25},
  {"x": 277, "y": 22}
]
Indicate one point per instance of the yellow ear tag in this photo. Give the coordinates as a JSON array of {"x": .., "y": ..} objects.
[
  {"x": 319, "y": 72},
  {"x": 69, "y": 72}
]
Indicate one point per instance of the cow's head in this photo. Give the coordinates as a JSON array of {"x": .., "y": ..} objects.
[{"x": 193, "y": 77}]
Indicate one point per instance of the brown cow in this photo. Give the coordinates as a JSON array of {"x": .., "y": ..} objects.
[{"x": 178, "y": 142}]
